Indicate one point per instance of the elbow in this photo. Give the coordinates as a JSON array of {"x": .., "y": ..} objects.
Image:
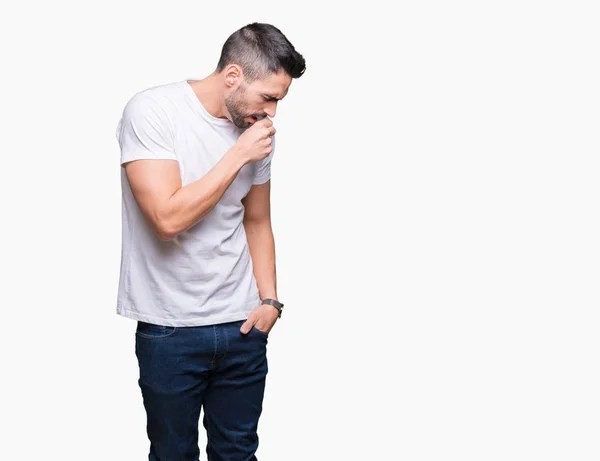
[
  {"x": 165, "y": 228},
  {"x": 257, "y": 222},
  {"x": 165, "y": 235},
  {"x": 165, "y": 231}
]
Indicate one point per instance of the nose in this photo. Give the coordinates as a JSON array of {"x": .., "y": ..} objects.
[{"x": 271, "y": 109}]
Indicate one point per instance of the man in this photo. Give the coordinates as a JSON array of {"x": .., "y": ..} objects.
[{"x": 198, "y": 256}]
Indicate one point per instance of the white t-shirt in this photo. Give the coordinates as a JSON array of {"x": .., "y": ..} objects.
[{"x": 204, "y": 275}]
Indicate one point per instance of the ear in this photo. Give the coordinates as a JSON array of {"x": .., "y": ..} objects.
[{"x": 233, "y": 75}]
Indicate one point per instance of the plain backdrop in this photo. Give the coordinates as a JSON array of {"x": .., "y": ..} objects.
[{"x": 435, "y": 206}]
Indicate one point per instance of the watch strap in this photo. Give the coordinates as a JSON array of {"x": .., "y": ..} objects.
[{"x": 273, "y": 302}]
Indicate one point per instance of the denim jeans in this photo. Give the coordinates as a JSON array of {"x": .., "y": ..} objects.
[{"x": 217, "y": 368}]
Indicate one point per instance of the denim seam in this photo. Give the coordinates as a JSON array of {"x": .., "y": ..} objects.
[
  {"x": 226, "y": 343},
  {"x": 145, "y": 336},
  {"x": 212, "y": 362}
]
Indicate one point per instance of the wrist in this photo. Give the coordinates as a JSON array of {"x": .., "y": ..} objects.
[
  {"x": 239, "y": 155},
  {"x": 275, "y": 303},
  {"x": 268, "y": 295}
]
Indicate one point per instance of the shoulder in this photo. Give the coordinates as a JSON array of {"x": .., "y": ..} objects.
[{"x": 158, "y": 101}]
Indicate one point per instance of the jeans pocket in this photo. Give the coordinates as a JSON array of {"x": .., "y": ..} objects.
[
  {"x": 259, "y": 332},
  {"x": 152, "y": 331}
]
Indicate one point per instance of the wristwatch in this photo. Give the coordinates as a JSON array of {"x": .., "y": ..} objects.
[{"x": 274, "y": 303}]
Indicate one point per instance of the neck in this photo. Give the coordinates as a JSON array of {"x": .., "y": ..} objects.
[{"x": 210, "y": 94}]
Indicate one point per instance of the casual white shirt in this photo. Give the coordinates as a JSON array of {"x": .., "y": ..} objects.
[{"x": 204, "y": 275}]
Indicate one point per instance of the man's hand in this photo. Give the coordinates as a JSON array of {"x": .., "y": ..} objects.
[
  {"x": 262, "y": 317},
  {"x": 256, "y": 143}
]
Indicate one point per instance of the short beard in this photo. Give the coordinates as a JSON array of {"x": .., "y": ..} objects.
[{"x": 237, "y": 107}]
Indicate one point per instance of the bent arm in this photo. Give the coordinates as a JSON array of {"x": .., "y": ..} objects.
[{"x": 170, "y": 208}]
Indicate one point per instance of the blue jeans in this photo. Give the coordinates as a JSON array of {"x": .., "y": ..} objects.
[{"x": 183, "y": 369}]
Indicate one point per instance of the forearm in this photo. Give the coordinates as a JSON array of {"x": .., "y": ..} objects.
[
  {"x": 262, "y": 250},
  {"x": 191, "y": 203}
]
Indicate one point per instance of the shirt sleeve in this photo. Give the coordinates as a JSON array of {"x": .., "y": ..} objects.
[
  {"x": 145, "y": 131},
  {"x": 263, "y": 170}
]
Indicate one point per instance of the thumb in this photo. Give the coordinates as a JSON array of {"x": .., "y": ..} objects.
[{"x": 247, "y": 326}]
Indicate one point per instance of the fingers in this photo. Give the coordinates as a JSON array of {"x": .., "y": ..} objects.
[
  {"x": 247, "y": 325},
  {"x": 265, "y": 122},
  {"x": 268, "y": 123}
]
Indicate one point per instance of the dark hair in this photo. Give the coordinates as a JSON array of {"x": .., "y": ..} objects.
[{"x": 261, "y": 49}]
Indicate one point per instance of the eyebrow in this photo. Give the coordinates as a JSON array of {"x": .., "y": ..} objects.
[{"x": 270, "y": 96}]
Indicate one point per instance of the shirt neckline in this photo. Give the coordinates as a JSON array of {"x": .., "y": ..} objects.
[{"x": 202, "y": 109}]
